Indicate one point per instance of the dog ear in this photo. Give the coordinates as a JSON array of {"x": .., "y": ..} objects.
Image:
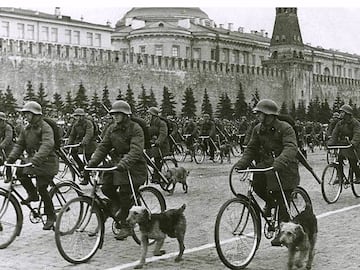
[
  {"x": 299, "y": 235},
  {"x": 147, "y": 214}
]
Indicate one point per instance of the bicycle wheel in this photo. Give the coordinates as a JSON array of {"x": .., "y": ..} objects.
[
  {"x": 199, "y": 154},
  {"x": 65, "y": 173},
  {"x": 354, "y": 187},
  {"x": 235, "y": 149},
  {"x": 168, "y": 163},
  {"x": 62, "y": 193},
  {"x": 331, "y": 183},
  {"x": 79, "y": 230},
  {"x": 11, "y": 219},
  {"x": 298, "y": 201},
  {"x": 237, "y": 233},
  {"x": 239, "y": 182},
  {"x": 154, "y": 201},
  {"x": 179, "y": 152}
]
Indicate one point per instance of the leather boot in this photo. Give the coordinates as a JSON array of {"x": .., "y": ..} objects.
[
  {"x": 49, "y": 225},
  {"x": 32, "y": 197}
]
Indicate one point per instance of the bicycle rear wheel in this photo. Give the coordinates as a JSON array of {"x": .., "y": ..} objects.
[
  {"x": 237, "y": 233},
  {"x": 11, "y": 219},
  {"x": 199, "y": 154},
  {"x": 79, "y": 230},
  {"x": 62, "y": 193},
  {"x": 354, "y": 187},
  {"x": 298, "y": 201},
  {"x": 179, "y": 152},
  {"x": 154, "y": 201},
  {"x": 331, "y": 183}
]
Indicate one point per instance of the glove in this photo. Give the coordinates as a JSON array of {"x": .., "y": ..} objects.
[
  {"x": 10, "y": 160},
  {"x": 121, "y": 168},
  {"x": 157, "y": 143},
  {"x": 91, "y": 164},
  {"x": 240, "y": 165},
  {"x": 35, "y": 163}
]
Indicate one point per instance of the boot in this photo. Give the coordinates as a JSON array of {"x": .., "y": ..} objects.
[
  {"x": 124, "y": 232},
  {"x": 49, "y": 225},
  {"x": 276, "y": 241},
  {"x": 32, "y": 197},
  {"x": 86, "y": 179}
]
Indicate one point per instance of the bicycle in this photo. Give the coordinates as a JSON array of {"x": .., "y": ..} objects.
[
  {"x": 178, "y": 150},
  {"x": 168, "y": 162},
  {"x": 11, "y": 214},
  {"x": 238, "y": 223},
  {"x": 80, "y": 225},
  {"x": 334, "y": 179},
  {"x": 201, "y": 148}
]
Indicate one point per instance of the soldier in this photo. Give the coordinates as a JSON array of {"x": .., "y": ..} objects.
[
  {"x": 6, "y": 142},
  {"x": 272, "y": 143},
  {"x": 208, "y": 128}
]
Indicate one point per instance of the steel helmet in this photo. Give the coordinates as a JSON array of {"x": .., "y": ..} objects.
[
  {"x": 120, "y": 106},
  {"x": 79, "y": 112},
  {"x": 347, "y": 109},
  {"x": 32, "y": 107},
  {"x": 336, "y": 115},
  {"x": 267, "y": 106},
  {"x": 2, "y": 116},
  {"x": 154, "y": 111}
]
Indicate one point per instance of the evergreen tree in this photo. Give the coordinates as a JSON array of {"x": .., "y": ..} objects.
[
  {"x": 57, "y": 104},
  {"x": 29, "y": 92},
  {"x": 255, "y": 98},
  {"x": 314, "y": 110},
  {"x": 9, "y": 101},
  {"x": 2, "y": 101},
  {"x": 284, "y": 109},
  {"x": 325, "y": 112},
  {"x": 220, "y": 106},
  {"x": 81, "y": 99},
  {"x": 41, "y": 98},
  {"x": 224, "y": 108},
  {"x": 240, "y": 106},
  {"x": 143, "y": 102},
  {"x": 206, "y": 105},
  {"x": 129, "y": 98},
  {"x": 338, "y": 102},
  {"x": 168, "y": 104},
  {"x": 69, "y": 103},
  {"x": 105, "y": 100},
  {"x": 119, "y": 96},
  {"x": 152, "y": 99},
  {"x": 95, "y": 106},
  {"x": 292, "y": 111},
  {"x": 301, "y": 111},
  {"x": 188, "y": 104}
]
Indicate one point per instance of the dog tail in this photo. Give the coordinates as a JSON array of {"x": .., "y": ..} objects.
[{"x": 182, "y": 208}]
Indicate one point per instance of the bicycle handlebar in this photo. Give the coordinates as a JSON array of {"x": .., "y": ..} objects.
[
  {"x": 254, "y": 170},
  {"x": 100, "y": 169},
  {"x": 72, "y": 145},
  {"x": 204, "y": 137},
  {"x": 18, "y": 165},
  {"x": 330, "y": 147}
]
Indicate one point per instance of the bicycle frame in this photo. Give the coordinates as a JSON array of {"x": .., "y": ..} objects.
[{"x": 151, "y": 163}]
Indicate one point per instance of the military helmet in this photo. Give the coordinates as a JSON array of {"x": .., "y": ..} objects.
[
  {"x": 79, "y": 112},
  {"x": 347, "y": 109},
  {"x": 33, "y": 107},
  {"x": 267, "y": 106},
  {"x": 120, "y": 106},
  {"x": 2, "y": 116},
  {"x": 153, "y": 111},
  {"x": 336, "y": 115}
]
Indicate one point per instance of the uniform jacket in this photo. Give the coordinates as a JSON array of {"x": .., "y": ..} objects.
[
  {"x": 37, "y": 139},
  {"x": 125, "y": 144},
  {"x": 208, "y": 129},
  {"x": 82, "y": 132},
  {"x": 191, "y": 128},
  {"x": 159, "y": 129},
  {"x": 279, "y": 139},
  {"x": 6, "y": 137},
  {"x": 343, "y": 129}
]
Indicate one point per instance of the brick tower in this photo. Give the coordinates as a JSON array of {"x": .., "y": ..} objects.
[{"x": 287, "y": 54}]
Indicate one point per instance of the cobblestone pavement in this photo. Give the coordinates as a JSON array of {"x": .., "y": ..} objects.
[{"x": 208, "y": 190}]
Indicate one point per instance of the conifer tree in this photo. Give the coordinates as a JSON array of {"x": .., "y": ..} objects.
[
  {"x": 168, "y": 104},
  {"x": 255, "y": 98},
  {"x": 41, "y": 98},
  {"x": 57, "y": 104},
  {"x": 188, "y": 104},
  {"x": 284, "y": 109},
  {"x": 240, "y": 105},
  {"x": 301, "y": 111},
  {"x": 2, "y": 100},
  {"x": 206, "y": 106},
  {"x": 9, "y": 101},
  {"x": 129, "y": 98},
  {"x": 292, "y": 111},
  {"x": 338, "y": 102},
  {"x": 143, "y": 102},
  {"x": 95, "y": 106},
  {"x": 29, "y": 92},
  {"x": 223, "y": 108},
  {"x": 105, "y": 100},
  {"x": 325, "y": 112},
  {"x": 119, "y": 96},
  {"x": 81, "y": 99},
  {"x": 152, "y": 99},
  {"x": 69, "y": 103}
]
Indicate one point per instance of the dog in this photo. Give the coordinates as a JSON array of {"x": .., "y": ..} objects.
[
  {"x": 156, "y": 226},
  {"x": 175, "y": 175},
  {"x": 299, "y": 236},
  {"x": 225, "y": 151}
]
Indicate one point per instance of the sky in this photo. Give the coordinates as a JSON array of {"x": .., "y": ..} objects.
[{"x": 329, "y": 24}]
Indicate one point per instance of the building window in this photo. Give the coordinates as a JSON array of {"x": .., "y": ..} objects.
[
  {"x": 175, "y": 51},
  {"x": 197, "y": 53},
  {"x": 97, "y": 40},
  {"x": 67, "y": 36},
  {"x": 21, "y": 30},
  {"x": 213, "y": 54},
  {"x": 142, "y": 49},
  {"x": 77, "y": 37},
  {"x": 235, "y": 57},
  {"x": 283, "y": 38},
  {"x": 158, "y": 50},
  {"x": 31, "y": 31},
  {"x": 5, "y": 29},
  {"x": 54, "y": 34},
  {"x": 338, "y": 71},
  {"x": 318, "y": 68},
  {"x": 76, "y": 52},
  {"x": 40, "y": 48},
  {"x": 45, "y": 33},
  {"x": 58, "y": 50},
  {"x": 254, "y": 60},
  {"x": 89, "y": 39},
  {"x": 30, "y": 48},
  {"x": 277, "y": 38},
  {"x": 84, "y": 53},
  {"x": 350, "y": 73},
  {"x": 67, "y": 51},
  {"x": 188, "y": 53},
  {"x": 49, "y": 50}
]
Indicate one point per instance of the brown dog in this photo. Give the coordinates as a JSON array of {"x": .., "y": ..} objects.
[
  {"x": 225, "y": 151},
  {"x": 299, "y": 236},
  {"x": 175, "y": 175},
  {"x": 156, "y": 226}
]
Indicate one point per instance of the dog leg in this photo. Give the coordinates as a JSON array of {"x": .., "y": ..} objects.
[
  {"x": 185, "y": 187},
  {"x": 144, "y": 248},
  {"x": 291, "y": 256},
  {"x": 157, "y": 250},
  {"x": 311, "y": 252},
  {"x": 180, "y": 239}
]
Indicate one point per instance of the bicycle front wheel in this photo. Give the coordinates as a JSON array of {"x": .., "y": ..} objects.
[
  {"x": 179, "y": 152},
  {"x": 63, "y": 192},
  {"x": 237, "y": 233},
  {"x": 298, "y": 200},
  {"x": 331, "y": 183},
  {"x": 354, "y": 186},
  {"x": 11, "y": 219},
  {"x": 154, "y": 201},
  {"x": 79, "y": 230},
  {"x": 199, "y": 154}
]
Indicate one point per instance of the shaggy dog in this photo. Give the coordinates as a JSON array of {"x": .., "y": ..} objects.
[
  {"x": 156, "y": 226},
  {"x": 225, "y": 151},
  {"x": 299, "y": 236},
  {"x": 175, "y": 175}
]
